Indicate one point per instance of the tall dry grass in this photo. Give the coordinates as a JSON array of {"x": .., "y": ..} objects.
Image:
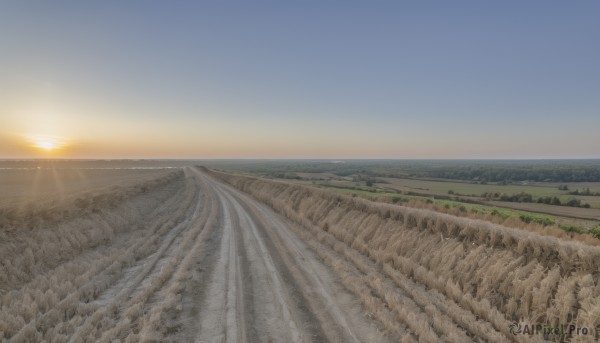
[
  {"x": 512, "y": 222},
  {"x": 468, "y": 276},
  {"x": 32, "y": 242},
  {"x": 53, "y": 272}
]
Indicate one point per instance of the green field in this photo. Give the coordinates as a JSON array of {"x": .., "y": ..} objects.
[
  {"x": 430, "y": 191},
  {"x": 460, "y": 184},
  {"x": 476, "y": 189},
  {"x": 471, "y": 190}
]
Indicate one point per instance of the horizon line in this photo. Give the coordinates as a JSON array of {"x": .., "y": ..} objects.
[{"x": 303, "y": 159}]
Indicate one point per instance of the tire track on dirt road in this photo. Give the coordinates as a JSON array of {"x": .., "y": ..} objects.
[{"x": 266, "y": 285}]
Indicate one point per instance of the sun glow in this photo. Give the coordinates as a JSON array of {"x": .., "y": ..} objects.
[{"x": 46, "y": 143}]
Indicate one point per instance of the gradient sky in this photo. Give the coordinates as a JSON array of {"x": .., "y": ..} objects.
[{"x": 304, "y": 79}]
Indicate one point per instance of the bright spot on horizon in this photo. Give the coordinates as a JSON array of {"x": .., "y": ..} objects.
[{"x": 46, "y": 143}]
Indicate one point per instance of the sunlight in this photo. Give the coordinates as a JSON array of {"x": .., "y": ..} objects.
[{"x": 46, "y": 143}]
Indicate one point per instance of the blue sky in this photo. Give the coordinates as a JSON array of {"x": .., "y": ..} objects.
[{"x": 428, "y": 79}]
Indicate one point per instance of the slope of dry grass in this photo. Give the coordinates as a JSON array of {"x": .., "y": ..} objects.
[
  {"x": 35, "y": 238},
  {"x": 441, "y": 276},
  {"x": 52, "y": 267}
]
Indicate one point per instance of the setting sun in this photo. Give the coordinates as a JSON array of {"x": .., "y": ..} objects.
[{"x": 46, "y": 143}]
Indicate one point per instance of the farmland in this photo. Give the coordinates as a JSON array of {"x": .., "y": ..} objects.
[
  {"x": 183, "y": 253},
  {"x": 411, "y": 181}
]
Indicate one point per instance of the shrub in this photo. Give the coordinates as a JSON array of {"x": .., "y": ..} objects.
[
  {"x": 595, "y": 231},
  {"x": 531, "y": 218},
  {"x": 573, "y": 228}
]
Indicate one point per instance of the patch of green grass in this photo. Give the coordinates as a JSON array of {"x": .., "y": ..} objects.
[
  {"x": 502, "y": 214},
  {"x": 463, "y": 207},
  {"x": 537, "y": 218},
  {"x": 474, "y": 189},
  {"x": 574, "y": 228},
  {"x": 595, "y": 231}
]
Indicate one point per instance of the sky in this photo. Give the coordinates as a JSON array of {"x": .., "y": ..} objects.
[{"x": 300, "y": 79}]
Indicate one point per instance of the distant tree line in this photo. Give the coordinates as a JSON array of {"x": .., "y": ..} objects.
[
  {"x": 526, "y": 197},
  {"x": 562, "y": 171},
  {"x": 278, "y": 175},
  {"x": 514, "y": 174},
  {"x": 585, "y": 192}
]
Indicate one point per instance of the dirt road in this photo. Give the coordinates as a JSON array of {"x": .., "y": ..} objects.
[
  {"x": 202, "y": 262},
  {"x": 260, "y": 283}
]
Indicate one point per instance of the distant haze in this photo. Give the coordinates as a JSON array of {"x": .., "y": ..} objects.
[{"x": 309, "y": 79}]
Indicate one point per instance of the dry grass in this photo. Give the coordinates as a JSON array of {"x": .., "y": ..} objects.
[
  {"x": 438, "y": 275},
  {"x": 56, "y": 277}
]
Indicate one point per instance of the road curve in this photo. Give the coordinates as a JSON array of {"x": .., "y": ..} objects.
[{"x": 263, "y": 284}]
